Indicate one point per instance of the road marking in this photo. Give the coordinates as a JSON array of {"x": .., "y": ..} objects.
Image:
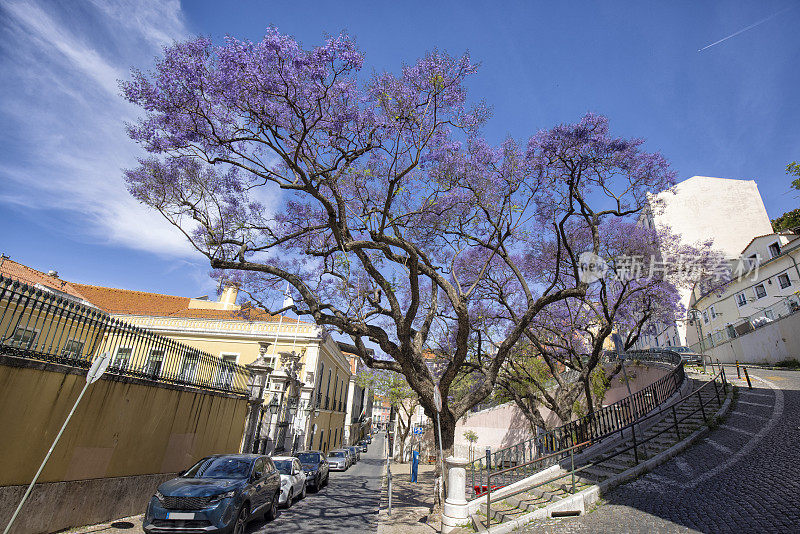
[
  {"x": 750, "y": 445},
  {"x": 755, "y": 394},
  {"x": 775, "y": 377},
  {"x": 755, "y": 404},
  {"x": 684, "y": 466},
  {"x": 742, "y": 430},
  {"x": 750, "y": 415},
  {"x": 719, "y": 446}
]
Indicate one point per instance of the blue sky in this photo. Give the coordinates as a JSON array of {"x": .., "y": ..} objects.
[{"x": 730, "y": 111}]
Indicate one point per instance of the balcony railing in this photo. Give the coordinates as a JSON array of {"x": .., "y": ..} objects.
[
  {"x": 38, "y": 324},
  {"x": 746, "y": 324}
]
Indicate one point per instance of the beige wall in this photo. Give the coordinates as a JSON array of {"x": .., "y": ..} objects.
[
  {"x": 771, "y": 343},
  {"x": 119, "y": 429}
]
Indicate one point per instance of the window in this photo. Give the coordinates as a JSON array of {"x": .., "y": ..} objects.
[
  {"x": 226, "y": 370},
  {"x": 123, "y": 358},
  {"x": 73, "y": 348},
  {"x": 775, "y": 250},
  {"x": 258, "y": 469},
  {"x": 783, "y": 280},
  {"x": 154, "y": 361},
  {"x": 189, "y": 366},
  {"x": 753, "y": 261},
  {"x": 712, "y": 313},
  {"x": 760, "y": 291},
  {"x": 705, "y": 316},
  {"x": 741, "y": 299},
  {"x": 23, "y": 338}
]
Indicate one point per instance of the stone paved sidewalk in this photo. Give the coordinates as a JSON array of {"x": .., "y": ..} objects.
[{"x": 411, "y": 502}]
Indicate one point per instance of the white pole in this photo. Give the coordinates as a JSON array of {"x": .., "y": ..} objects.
[{"x": 41, "y": 467}]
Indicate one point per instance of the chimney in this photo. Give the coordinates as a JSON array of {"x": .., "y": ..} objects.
[
  {"x": 53, "y": 274},
  {"x": 228, "y": 296}
]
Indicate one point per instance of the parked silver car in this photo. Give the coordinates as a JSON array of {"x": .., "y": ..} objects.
[
  {"x": 338, "y": 460},
  {"x": 687, "y": 355}
]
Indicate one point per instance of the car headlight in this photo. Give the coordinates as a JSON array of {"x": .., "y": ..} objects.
[
  {"x": 226, "y": 495},
  {"x": 159, "y": 496}
]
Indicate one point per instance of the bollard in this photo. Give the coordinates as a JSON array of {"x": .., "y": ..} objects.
[
  {"x": 747, "y": 376},
  {"x": 455, "y": 513},
  {"x": 738, "y": 373}
]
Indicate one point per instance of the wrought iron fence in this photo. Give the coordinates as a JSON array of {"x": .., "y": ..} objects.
[
  {"x": 39, "y": 324},
  {"x": 590, "y": 428},
  {"x": 686, "y": 414}
]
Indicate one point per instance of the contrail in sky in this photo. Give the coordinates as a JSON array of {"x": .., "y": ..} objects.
[{"x": 762, "y": 21}]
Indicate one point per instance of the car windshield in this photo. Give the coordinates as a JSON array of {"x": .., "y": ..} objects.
[
  {"x": 220, "y": 467},
  {"x": 284, "y": 466},
  {"x": 336, "y": 454},
  {"x": 308, "y": 457}
]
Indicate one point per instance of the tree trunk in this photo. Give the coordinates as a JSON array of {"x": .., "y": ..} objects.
[
  {"x": 448, "y": 434},
  {"x": 587, "y": 391}
]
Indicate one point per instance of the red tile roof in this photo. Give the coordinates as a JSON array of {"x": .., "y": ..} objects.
[
  {"x": 28, "y": 275},
  {"x": 127, "y": 302}
]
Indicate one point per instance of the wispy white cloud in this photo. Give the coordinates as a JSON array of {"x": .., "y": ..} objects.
[{"x": 59, "y": 97}]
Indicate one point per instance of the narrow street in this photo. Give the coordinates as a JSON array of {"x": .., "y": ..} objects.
[{"x": 348, "y": 504}]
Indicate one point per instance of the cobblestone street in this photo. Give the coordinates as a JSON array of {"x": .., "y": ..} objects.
[{"x": 742, "y": 477}]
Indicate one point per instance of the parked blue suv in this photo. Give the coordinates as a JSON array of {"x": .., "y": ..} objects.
[{"x": 219, "y": 494}]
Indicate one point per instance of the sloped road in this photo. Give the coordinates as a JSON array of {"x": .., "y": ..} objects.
[
  {"x": 349, "y": 504},
  {"x": 742, "y": 477}
]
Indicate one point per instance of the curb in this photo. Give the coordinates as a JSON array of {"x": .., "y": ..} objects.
[{"x": 582, "y": 500}]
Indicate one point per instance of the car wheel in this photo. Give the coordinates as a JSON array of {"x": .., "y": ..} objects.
[
  {"x": 325, "y": 482},
  {"x": 290, "y": 498},
  {"x": 272, "y": 512},
  {"x": 241, "y": 520}
]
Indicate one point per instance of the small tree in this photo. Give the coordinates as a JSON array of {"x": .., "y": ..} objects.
[{"x": 471, "y": 438}]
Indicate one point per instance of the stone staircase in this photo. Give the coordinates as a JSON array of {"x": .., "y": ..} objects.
[{"x": 603, "y": 470}]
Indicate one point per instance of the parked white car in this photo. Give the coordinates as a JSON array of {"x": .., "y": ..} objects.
[{"x": 293, "y": 479}]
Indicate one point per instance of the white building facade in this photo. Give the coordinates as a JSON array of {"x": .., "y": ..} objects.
[
  {"x": 754, "y": 317},
  {"x": 729, "y": 212}
]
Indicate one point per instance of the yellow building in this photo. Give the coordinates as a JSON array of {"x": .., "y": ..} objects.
[
  {"x": 239, "y": 334},
  {"x": 309, "y": 415}
]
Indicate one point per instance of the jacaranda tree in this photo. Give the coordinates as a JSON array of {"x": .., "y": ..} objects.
[
  {"x": 376, "y": 200},
  {"x": 558, "y": 364}
]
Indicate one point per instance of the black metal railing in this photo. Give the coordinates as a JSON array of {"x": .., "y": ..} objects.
[
  {"x": 716, "y": 396},
  {"x": 590, "y": 428},
  {"x": 39, "y": 324}
]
